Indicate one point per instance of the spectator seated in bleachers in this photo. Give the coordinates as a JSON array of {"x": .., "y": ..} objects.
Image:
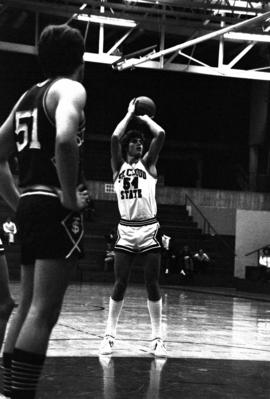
[
  {"x": 185, "y": 261},
  {"x": 201, "y": 261}
]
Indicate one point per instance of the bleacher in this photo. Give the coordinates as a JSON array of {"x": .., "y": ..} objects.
[{"x": 175, "y": 222}]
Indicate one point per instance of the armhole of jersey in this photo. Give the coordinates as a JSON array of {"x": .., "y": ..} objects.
[
  {"x": 115, "y": 177},
  {"x": 117, "y": 173},
  {"x": 154, "y": 177}
]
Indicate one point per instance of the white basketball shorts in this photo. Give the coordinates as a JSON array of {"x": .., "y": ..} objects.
[{"x": 138, "y": 236}]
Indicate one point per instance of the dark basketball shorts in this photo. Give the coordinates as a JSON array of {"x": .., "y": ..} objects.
[
  {"x": 46, "y": 229},
  {"x": 138, "y": 236}
]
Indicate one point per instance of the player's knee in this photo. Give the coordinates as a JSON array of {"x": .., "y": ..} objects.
[
  {"x": 45, "y": 315},
  {"x": 53, "y": 315},
  {"x": 153, "y": 290},
  {"x": 120, "y": 287},
  {"x": 6, "y": 309}
]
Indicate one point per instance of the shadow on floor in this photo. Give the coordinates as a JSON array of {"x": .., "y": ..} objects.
[{"x": 148, "y": 378}]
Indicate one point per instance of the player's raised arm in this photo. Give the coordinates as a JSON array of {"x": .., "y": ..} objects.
[
  {"x": 119, "y": 131},
  {"x": 151, "y": 157}
]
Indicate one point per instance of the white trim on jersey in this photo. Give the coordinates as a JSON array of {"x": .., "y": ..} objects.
[{"x": 47, "y": 193}]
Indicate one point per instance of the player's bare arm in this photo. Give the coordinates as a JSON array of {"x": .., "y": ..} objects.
[
  {"x": 151, "y": 157},
  {"x": 116, "y": 151},
  {"x": 8, "y": 189},
  {"x": 70, "y": 101}
]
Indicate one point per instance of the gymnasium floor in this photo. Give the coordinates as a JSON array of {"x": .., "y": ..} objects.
[{"x": 218, "y": 347}]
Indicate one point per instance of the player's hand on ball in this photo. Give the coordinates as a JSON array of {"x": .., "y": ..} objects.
[
  {"x": 132, "y": 106},
  {"x": 144, "y": 118},
  {"x": 145, "y": 106}
]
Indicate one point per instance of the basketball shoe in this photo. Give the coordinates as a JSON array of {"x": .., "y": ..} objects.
[
  {"x": 106, "y": 345},
  {"x": 158, "y": 348}
]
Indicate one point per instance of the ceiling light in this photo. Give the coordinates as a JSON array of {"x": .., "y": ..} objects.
[{"x": 99, "y": 19}]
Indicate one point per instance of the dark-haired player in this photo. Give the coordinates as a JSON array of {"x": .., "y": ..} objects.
[
  {"x": 44, "y": 129},
  {"x": 135, "y": 178}
]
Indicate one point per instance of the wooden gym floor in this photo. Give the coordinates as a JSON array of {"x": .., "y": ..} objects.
[{"x": 218, "y": 347}]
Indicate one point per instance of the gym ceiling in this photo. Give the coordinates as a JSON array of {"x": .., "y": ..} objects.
[{"x": 213, "y": 37}]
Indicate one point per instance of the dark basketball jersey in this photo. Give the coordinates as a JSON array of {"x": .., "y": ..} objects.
[{"x": 35, "y": 134}]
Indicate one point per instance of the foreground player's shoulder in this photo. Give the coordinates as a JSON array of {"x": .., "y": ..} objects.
[{"x": 68, "y": 88}]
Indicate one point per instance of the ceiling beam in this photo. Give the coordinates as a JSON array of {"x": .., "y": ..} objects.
[
  {"x": 18, "y": 48},
  {"x": 130, "y": 64},
  {"x": 189, "y": 22}
]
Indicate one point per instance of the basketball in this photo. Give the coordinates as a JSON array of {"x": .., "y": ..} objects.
[{"x": 145, "y": 106}]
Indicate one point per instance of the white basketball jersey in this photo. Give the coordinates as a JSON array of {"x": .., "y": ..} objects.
[{"x": 135, "y": 189}]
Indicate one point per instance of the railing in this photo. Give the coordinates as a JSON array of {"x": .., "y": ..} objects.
[
  {"x": 208, "y": 228},
  {"x": 257, "y": 251}
]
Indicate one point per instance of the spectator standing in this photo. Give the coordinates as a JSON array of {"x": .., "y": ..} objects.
[
  {"x": 264, "y": 262},
  {"x": 264, "y": 259},
  {"x": 110, "y": 254},
  {"x": 166, "y": 253},
  {"x": 169, "y": 255},
  {"x": 185, "y": 258},
  {"x": 10, "y": 230}
]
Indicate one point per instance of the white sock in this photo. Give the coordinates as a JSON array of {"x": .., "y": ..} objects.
[
  {"x": 113, "y": 316},
  {"x": 155, "y": 311}
]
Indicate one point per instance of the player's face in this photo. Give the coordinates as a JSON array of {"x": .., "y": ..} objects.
[{"x": 135, "y": 147}]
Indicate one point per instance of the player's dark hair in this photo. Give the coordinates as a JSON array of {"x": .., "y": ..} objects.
[
  {"x": 60, "y": 50},
  {"x": 128, "y": 137}
]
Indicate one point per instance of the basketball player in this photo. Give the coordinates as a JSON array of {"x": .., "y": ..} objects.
[
  {"x": 44, "y": 129},
  {"x": 135, "y": 178}
]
